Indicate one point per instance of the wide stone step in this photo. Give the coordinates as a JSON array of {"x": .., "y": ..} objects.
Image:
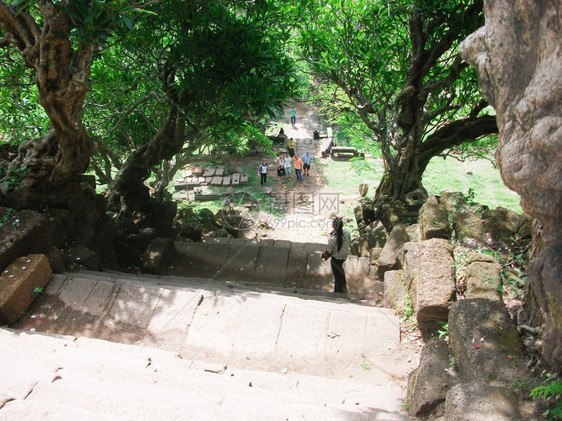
[
  {"x": 239, "y": 327},
  {"x": 143, "y": 383}
]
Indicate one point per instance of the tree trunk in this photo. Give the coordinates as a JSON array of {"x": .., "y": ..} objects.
[
  {"x": 128, "y": 191},
  {"x": 45, "y": 165}
]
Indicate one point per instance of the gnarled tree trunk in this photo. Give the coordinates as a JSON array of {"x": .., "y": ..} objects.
[{"x": 45, "y": 165}]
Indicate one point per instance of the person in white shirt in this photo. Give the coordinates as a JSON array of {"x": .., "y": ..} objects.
[
  {"x": 339, "y": 247},
  {"x": 288, "y": 165}
]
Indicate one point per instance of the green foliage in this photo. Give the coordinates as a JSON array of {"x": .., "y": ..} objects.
[
  {"x": 37, "y": 291},
  {"x": 14, "y": 178},
  {"x": 7, "y": 215},
  {"x": 365, "y": 366},
  {"x": 408, "y": 311},
  {"x": 551, "y": 394},
  {"x": 444, "y": 331}
]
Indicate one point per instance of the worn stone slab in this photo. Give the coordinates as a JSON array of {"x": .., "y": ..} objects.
[
  {"x": 75, "y": 292},
  {"x": 303, "y": 332},
  {"x": 346, "y": 333},
  {"x": 226, "y": 181},
  {"x": 99, "y": 298},
  {"x": 134, "y": 305},
  {"x": 18, "y": 283},
  {"x": 55, "y": 284},
  {"x": 258, "y": 327},
  {"x": 172, "y": 317},
  {"x": 219, "y": 171},
  {"x": 316, "y": 267},
  {"x": 244, "y": 178},
  {"x": 236, "y": 179},
  {"x": 215, "y": 324},
  {"x": 209, "y": 172},
  {"x": 483, "y": 280},
  {"x": 296, "y": 262},
  {"x": 282, "y": 243},
  {"x": 192, "y": 249},
  {"x": 272, "y": 262},
  {"x": 217, "y": 181},
  {"x": 394, "y": 288}
]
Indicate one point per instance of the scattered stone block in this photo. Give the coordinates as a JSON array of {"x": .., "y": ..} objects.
[
  {"x": 244, "y": 178},
  {"x": 429, "y": 383},
  {"x": 209, "y": 172},
  {"x": 470, "y": 401},
  {"x": 433, "y": 293},
  {"x": 483, "y": 277},
  {"x": 394, "y": 289},
  {"x": 376, "y": 234},
  {"x": 216, "y": 181},
  {"x": 360, "y": 247},
  {"x": 396, "y": 240},
  {"x": 433, "y": 219},
  {"x": 236, "y": 179},
  {"x": 19, "y": 283},
  {"x": 485, "y": 342},
  {"x": 219, "y": 171},
  {"x": 226, "y": 181}
]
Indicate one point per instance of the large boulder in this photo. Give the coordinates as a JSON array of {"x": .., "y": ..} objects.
[
  {"x": 485, "y": 342},
  {"x": 517, "y": 57},
  {"x": 394, "y": 289}
]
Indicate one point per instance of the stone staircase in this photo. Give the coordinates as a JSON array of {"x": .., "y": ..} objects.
[
  {"x": 276, "y": 262},
  {"x": 120, "y": 346}
]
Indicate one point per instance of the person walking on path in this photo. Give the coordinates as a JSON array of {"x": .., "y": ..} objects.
[
  {"x": 293, "y": 114},
  {"x": 339, "y": 247},
  {"x": 307, "y": 159},
  {"x": 291, "y": 147},
  {"x": 297, "y": 164},
  {"x": 262, "y": 171},
  {"x": 281, "y": 168},
  {"x": 288, "y": 165}
]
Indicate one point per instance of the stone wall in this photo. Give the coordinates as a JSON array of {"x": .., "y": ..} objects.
[{"x": 518, "y": 57}]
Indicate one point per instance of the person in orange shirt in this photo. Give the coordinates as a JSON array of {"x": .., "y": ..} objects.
[{"x": 297, "y": 164}]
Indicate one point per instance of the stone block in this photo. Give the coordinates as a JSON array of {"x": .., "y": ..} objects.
[
  {"x": 209, "y": 172},
  {"x": 226, "y": 181},
  {"x": 433, "y": 219},
  {"x": 483, "y": 280},
  {"x": 470, "y": 401},
  {"x": 244, "y": 178},
  {"x": 236, "y": 179},
  {"x": 435, "y": 287},
  {"x": 394, "y": 289},
  {"x": 157, "y": 255},
  {"x": 429, "y": 383},
  {"x": 376, "y": 234},
  {"x": 485, "y": 342},
  {"x": 396, "y": 240},
  {"x": 216, "y": 181},
  {"x": 18, "y": 283}
]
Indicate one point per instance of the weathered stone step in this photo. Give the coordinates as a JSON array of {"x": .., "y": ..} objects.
[
  {"x": 234, "y": 326},
  {"x": 166, "y": 387}
]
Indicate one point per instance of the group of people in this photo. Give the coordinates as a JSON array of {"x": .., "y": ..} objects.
[{"x": 288, "y": 162}]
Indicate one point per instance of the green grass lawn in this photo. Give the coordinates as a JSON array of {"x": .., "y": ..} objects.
[
  {"x": 449, "y": 175},
  {"x": 442, "y": 175}
]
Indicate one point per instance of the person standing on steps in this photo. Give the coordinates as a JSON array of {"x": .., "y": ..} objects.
[
  {"x": 291, "y": 147},
  {"x": 293, "y": 114},
  {"x": 307, "y": 159},
  {"x": 288, "y": 165},
  {"x": 339, "y": 247},
  {"x": 297, "y": 164},
  {"x": 262, "y": 171}
]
